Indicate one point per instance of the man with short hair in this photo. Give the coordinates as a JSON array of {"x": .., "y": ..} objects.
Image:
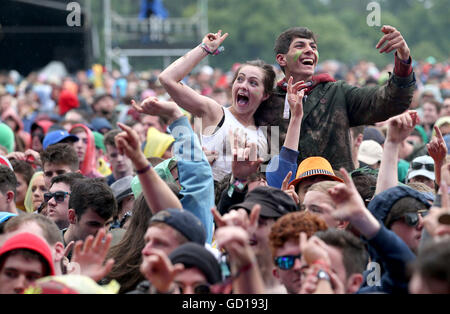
[
  {"x": 24, "y": 258},
  {"x": 121, "y": 165},
  {"x": 58, "y": 159},
  {"x": 43, "y": 227},
  {"x": 348, "y": 257},
  {"x": 91, "y": 207},
  {"x": 8, "y": 186},
  {"x": 58, "y": 197},
  {"x": 330, "y": 107}
]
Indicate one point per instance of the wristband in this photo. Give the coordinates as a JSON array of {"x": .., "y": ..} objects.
[
  {"x": 322, "y": 263},
  {"x": 144, "y": 170},
  {"x": 209, "y": 51},
  {"x": 236, "y": 185}
]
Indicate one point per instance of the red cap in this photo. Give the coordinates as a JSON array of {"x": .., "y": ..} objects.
[{"x": 31, "y": 242}]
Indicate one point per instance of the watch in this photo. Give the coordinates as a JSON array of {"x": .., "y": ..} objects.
[{"x": 323, "y": 275}]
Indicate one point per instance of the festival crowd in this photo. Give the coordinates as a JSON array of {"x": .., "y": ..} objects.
[{"x": 291, "y": 176}]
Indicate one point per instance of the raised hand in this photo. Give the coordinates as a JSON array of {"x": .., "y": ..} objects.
[
  {"x": 313, "y": 250},
  {"x": 245, "y": 155},
  {"x": 350, "y": 207},
  {"x": 89, "y": 258},
  {"x": 401, "y": 126},
  {"x": 437, "y": 149},
  {"x": 214, "y": 40},
  {"x": 159, "y": 270},
  {"x": 238, "y": 218},
  {"x": 295, "y": 97},
  {"x": 235, "y": 241},
  {"x": 394, "y": 40},
  {"x": 127, "y": 143},
  {"x": 154, "y": 106},
  {"x": 290, "y": 190}
]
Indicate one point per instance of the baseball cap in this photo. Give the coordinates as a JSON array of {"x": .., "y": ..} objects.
[
  {"x": 274, "y": 202},
  {"x": 370, "y": 152},
  {"x": 58, "y": 136},
  {"x": 122, "y": 188},
  {"x": 422, "y": 166},
  {"x": 100, "y": 123},
  {"x": 373, "y": 134},
  {"x": 31, "y": 242},
  {"x": 314, "y": 166},
  {"x": 5, "y": 216},
  {"x": 184, "y": 222}
]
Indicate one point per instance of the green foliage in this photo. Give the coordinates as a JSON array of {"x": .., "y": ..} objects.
[{"x": 343, "y": 33}]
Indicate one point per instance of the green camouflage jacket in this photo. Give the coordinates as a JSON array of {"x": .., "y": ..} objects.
[{"x": 332, "y": 108}]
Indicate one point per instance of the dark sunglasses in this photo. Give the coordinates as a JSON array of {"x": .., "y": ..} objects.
[
  {"x": 412, "y": 219},
  {"x": 58, "y": 195},
  {"x": 287, "y": 261},
  {"x": 200, "y": 289},
  {"x": 418, "y": 165}
]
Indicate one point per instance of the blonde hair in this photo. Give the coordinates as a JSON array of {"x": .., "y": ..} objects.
[{"x": 323, "y": 186}]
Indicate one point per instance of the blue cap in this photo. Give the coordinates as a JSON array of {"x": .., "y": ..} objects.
[
  {"x": 58, "y": 136},
  {"x": 184, "y": 222},
  {"x": 100, "y": 123},
  {"x": 4, "y": 216}
]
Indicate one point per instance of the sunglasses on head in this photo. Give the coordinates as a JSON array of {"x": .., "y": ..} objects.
[
  {"x": 412, "y": 219},
  {"x": 419, "y": 165},
  {"x": 286, "y": 262},
  {"x": 58, "y": 195}
]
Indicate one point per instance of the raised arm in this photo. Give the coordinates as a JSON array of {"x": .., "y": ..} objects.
[
  {"x": 280, "y": 165},
  {"x": 194, "y": 172},
  {"x": 399, "y": 128},
  {"x": 186, "y": 97},
  {"x": 437, "y": 149},
  {"x": 368, "y": 105},
  {"x": 156, "y": 192}
]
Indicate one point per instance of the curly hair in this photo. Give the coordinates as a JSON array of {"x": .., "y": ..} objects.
[{"x": 289, "y": 226}]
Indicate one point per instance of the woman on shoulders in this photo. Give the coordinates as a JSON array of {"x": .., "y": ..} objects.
[{"x": 251, "y": 93}]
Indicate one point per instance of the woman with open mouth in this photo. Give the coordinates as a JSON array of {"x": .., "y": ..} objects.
[{"x": 251, "y": 95}]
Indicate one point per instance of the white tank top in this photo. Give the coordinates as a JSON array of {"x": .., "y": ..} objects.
[{"x": 219, "y": 142}]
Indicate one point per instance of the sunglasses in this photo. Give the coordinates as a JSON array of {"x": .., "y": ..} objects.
[
  {"x": 418, "y": 165},
  {"x": 412, "y": 219},
  {"x": 287, "y": 261},
  {"x": 199, "y": 289},
  {"x": 58, "y": 195}
]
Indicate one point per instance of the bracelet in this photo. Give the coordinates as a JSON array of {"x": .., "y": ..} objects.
[
  {"x": 144, "y": 170},
  {"x": 209, "y": 51},
  {"x": 321, "y": 262}
]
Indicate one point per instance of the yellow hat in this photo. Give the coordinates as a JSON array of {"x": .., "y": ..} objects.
[
  {"x": 314, "y": 166},
  {"x": 157, "y": 143}
]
